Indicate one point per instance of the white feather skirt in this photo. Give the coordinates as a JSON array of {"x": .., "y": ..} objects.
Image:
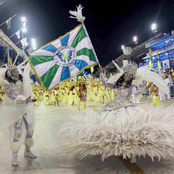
[{"x": 130, "y": 131}]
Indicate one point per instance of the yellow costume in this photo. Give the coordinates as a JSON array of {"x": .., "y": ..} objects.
[
  {"x": 155, "y": 95},
  {"x": 47, "y": 98},
  {"x": 55, "y": 98},
  {"x": 36, "y": 96},
  {"x": 73, "y": 98},
  {"x": 95, "y": 94}
]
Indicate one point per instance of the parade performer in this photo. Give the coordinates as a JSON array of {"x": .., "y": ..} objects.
[
  {"x": 73, "y": 97},
  {"x": 155, "y": 95},
  {"x": 17, "y": 111},
  {"x": 55, "y": 97},
  {"x": 46, "y": 98},
  {"x": 36, "y": 96},
  {"x": 121, "y": 128},
  {"x": 105, "y": 96},
  {"x": 83, "y": 95},
  {"x": 2, "y": 95}
]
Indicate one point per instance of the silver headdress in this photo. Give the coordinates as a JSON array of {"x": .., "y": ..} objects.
[
  {"x": 131, "y": 68},
  {"x": 9, "y": 69}
]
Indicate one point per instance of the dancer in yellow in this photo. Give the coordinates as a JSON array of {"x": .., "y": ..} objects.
[
  {"x": 83, "y": 95},
  {"x": 35, "y": 94},
  {"x": 47, "y": 98},
  {"x": 2, "y": 94},
  {"x": 55, "y": 98},
  {"x": 155, "y": 95},
  {"x": 73, "y": 97}
]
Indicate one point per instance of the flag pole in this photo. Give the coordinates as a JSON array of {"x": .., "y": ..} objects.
[
  {"x": 90, "y": 42},
  {"x": 15, "y": 59},
  {"x": 28, "y": 48},
  {"x": 13, "y": 34},
  {"x": 7, "y": 20},
  {"x": 18, "y": 42},
  {"x": 1, "y": 3},
  {"x": 95, "y": 56}
]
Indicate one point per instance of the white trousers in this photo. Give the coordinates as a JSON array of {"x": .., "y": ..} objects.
[{"x": 138, "y": 98}]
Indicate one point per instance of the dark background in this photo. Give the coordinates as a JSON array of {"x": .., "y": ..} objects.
[{"x": 110, "y": 24}]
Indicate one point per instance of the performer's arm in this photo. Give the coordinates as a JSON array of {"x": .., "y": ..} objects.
[
  {"x": 137, "y": 92},
  {"x": 10, "y": 93},
  {"x": 18, "y": 99},
  {"x": 108, "y": 85}
]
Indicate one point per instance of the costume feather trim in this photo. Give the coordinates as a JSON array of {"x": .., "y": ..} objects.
[
  {"x": 120, "y": 70},
  {"x": 15, "y": 146},
  {"x": 20, "y": 100},
  {"x": 145, "y": 73},
  {"x": 128, "y": 132},
  {"x": 29, "y": 142}
]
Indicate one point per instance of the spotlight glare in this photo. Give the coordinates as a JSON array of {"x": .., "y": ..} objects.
[
  {"x": 23, "y": 19},
  {"x": 24, "y": 30},
  {"x": 135, "y": 39},
  {"x": 153, "y": 27}
]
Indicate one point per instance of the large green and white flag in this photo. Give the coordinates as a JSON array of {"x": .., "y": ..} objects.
[{"x": 65, "y": 57}]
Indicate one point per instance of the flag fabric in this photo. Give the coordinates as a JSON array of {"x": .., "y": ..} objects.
[
  {"x": 8, "y": 22},
  {"x": 65, "y": 57},
  {"x": 24, "y": 42},
  {"x": 18, "y": 34}
]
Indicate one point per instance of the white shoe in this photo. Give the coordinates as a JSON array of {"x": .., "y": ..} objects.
[
  {"x": 28, "y": 153},
  {"x": 14, "y": 160},
  {"x": 133, "y": 160}
]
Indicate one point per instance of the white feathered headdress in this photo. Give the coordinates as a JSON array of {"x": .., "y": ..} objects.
[{"x": 143, "y": 73}]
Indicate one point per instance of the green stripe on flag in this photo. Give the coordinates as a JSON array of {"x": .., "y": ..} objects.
[
  {"x": 87, "y": 52},
  {"x": 81, "y": 34},
  {"x": 49, "y": 75},
  {"x": 35, "y": 60}
]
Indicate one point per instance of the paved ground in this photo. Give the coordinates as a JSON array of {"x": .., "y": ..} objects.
[{"x": 49, "y": 160}]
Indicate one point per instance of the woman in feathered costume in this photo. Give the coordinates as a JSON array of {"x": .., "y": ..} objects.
[
  {"x": 121, "y": 128},
  {"x": 17, "y": 111}
]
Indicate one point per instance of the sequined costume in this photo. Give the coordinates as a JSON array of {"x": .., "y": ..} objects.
[
  {"x": 121, "y": 127},
  {"x": 83, "y": 97},
  {"x": 17, "y": 115}
]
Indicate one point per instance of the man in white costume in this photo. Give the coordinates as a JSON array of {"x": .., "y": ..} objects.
[
  {"x": 17, "y": 111},
  {"x": 167, "y": 82}
]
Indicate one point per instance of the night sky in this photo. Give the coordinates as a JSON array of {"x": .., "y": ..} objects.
[{"x": 110, "y": 24}]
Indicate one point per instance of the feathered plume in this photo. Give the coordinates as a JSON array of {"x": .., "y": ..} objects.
[
  {"x": 121, "y": 71},
  {"x": 126, "y": 132},
  {"x": 78, "y": 14}
]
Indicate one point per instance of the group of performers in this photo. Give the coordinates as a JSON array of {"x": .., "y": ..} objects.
[
  {"x": 77, "y": 93},
  {"x": 94, "y": 135},
  {"x": 81, "y": 92},
  {"x": 120, "y": 128}
]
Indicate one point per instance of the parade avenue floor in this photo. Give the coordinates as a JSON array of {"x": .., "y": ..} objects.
[{"x": 50, "y": 161}]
